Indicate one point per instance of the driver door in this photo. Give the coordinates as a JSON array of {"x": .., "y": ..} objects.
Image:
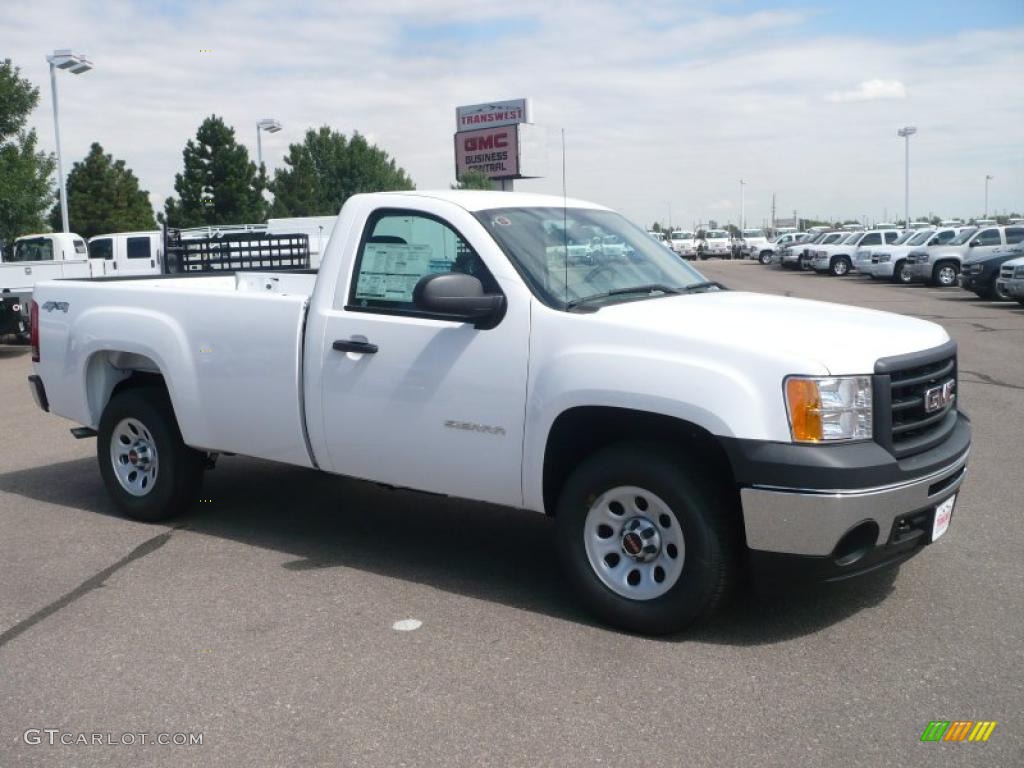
[{"x": 415, "y": 400}]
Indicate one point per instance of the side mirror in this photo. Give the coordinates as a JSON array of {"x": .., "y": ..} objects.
[
  {"x": 972, "y": 243},
  {"x": 459, "y": 296}
]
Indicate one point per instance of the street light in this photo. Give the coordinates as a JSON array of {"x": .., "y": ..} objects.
[
  {"x": 905, "y": 134},
  {"x": 270, "y": 126},
  {"x": 743, "y": 209},
  {"x": 988, "y": 178},
  {"x": 76, "y": 64}
]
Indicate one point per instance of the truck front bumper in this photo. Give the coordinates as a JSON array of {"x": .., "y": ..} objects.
[
  {"x": 826, "y": 514},
  {"x": 1014, "y": 287}
]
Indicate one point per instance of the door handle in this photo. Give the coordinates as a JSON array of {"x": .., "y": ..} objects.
[{"x": 352, "y": 345}]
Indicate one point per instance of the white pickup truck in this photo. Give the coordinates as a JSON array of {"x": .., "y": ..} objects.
[{"x": 672, "y": 429}]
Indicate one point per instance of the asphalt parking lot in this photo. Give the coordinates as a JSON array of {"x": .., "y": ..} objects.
[{"x": 263, "y": 620}]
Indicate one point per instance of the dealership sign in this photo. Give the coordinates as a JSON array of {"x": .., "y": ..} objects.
[
  {"x": 492, "y": 114},
  {"x": 494, "y": 151}
]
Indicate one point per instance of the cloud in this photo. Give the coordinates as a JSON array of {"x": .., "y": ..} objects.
[
  {"x": 871, "y": 90},
  {"x": 660, "y": 100}
]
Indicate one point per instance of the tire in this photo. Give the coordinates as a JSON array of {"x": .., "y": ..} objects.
[
  {"x": 839, "y": 267},
  {"x": 701, "y": 531},
  {"x": 157, "y": 475},
  {"x": 901, "y": 275},
  {"x": 765, "y": 258},
  {"x": 944, "y": 274}
]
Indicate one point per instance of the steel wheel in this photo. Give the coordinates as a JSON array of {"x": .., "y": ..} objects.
[
  {"x": 946, "y": 275},
  {"x": 840, "y": 267},
  {"x": 134, "y": 457},
  {"x": 903, "y": 274},
  {"x": 634, "y": 543}
]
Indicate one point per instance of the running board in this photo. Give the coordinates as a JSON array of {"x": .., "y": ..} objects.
[{"x": 81, "y": 433}]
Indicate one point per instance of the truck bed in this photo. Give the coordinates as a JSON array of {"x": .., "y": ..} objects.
[{"x": 229, "y": 348}]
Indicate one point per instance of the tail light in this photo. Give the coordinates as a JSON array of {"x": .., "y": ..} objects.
[{"x": 33, "y": 319}]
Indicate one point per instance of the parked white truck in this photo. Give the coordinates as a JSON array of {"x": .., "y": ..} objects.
[
  {"x": 34, "y": 258},
  {"x": 840, "y": 258},
  {"x": 672, "y": 429}
]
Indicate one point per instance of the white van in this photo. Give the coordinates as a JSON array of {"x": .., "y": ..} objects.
[{"x": 127, "y": 253}]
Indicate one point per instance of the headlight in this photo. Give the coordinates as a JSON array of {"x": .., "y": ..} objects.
[
  {"x": 825, "y": 409},
  {"x": 1018, "y": 272},
  {"x": 884, "y": 258}
]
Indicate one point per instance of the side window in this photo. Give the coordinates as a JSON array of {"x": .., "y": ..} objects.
[
  {"x": 943, "y": 237},
  {"x": 872, "y": 238},
  {"x": 891, "y": 237},
  {"x": 400, "y": 248},
  {"x": 101, "y": 249},
  {"x": 1014, "y": 235},
  {"x": 987, "y": 237},
  {"x": 138, "y": 248}
]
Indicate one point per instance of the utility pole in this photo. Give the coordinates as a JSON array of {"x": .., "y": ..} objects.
[
  {"x": 743, "y": 209},
  {"x": 905, "y": 134},
  {"x": 988, "y": 178},
  {"x": 773, "y": 212}
]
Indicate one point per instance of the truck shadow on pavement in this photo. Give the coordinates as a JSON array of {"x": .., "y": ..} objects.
[{"x": 467, "y": 548}]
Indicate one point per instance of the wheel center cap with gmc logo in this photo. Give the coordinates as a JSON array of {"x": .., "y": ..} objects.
[{"x": 640, "y": 539}]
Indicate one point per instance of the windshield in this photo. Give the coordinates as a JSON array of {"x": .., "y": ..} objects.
[
  {"x": 921, "y": 237},
  {"x": 903, "y": 238},
  {"x": 753, "y": 233},
  {"x": 678, "y": 235},
  {"x": 534, "y": 240},
  {"x": 717, "y": 234},
  {"x": 964, "y": 236}
]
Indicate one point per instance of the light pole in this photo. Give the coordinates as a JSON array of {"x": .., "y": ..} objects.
[
  {"x": 743, "y": 208},
  {"x": 77, "y": 64},
  {"x": 270, "y": 126},
  {"x": 905, "y": 134},
  {"x": 988, "y": 178}
]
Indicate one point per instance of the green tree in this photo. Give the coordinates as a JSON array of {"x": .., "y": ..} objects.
[
  {"x": 327, "y": 168},
  {"x": 25, "y": 172},
  {"x": 474, "y": 180},
  {"x": 104, "y": 196},
  {"x": 219, "y": 184}
]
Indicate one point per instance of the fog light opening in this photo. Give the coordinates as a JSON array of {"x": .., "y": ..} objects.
[{"x": 856, "y": 543}]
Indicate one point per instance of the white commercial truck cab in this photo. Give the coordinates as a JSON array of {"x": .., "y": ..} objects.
[
  {"x": 127, "y": 253},
  {"x": 34, "y": 258},
  {"x": 672, "y": 428}
]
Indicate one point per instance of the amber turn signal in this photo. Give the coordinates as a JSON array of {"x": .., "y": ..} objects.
[{"x": 804, "y": 401}]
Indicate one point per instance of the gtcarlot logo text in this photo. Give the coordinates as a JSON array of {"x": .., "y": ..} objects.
[{"x": 53, "y": 736}]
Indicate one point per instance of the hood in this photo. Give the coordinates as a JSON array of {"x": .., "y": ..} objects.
[
  {"x": 840, "y": 338},
  {"x": 1002, "y": 255}
]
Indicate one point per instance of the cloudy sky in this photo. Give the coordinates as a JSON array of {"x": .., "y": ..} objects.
[{"x": 665, "y": 105}]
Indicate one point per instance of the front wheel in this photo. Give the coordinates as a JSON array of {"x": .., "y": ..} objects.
[
  {"x": 840, "y": 266},
  {"x": 766, "y": 258},
  {"x": 649, "y": 544},
  {"x": 901, "y": 274},
  {"x": 945, "y": 275},
  {"x": 148, "y": 470}
]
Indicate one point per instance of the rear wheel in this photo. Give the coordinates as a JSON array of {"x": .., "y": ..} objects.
[
  {"x": 944, "y": 275},
  {"x": 649, "y": 544},
  {"x": 840, "y": 266},
  {"x": 148, "y": 470}
]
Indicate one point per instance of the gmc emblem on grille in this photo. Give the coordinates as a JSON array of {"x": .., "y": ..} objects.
[{"x": 937, "y": 398}]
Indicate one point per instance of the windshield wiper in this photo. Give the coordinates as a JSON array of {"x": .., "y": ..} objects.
[
  {"x": 700, "y": 287},
  {"x": 651, "y": 288}
]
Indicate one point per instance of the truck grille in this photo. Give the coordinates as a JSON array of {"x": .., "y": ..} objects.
[{"x": 911, "y": 415}]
